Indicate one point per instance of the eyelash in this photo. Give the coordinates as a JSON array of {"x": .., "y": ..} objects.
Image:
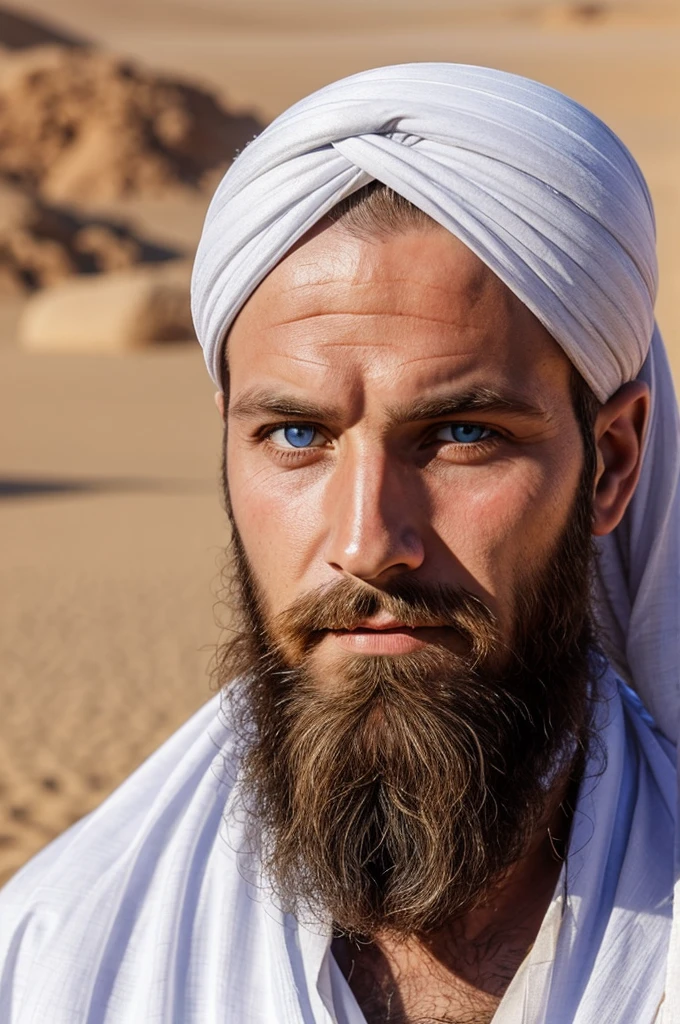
[{"x": 263, "y": 437}]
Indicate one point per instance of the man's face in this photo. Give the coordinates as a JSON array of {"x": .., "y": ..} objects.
[
  {"x": 412, "y": 538},
  {"x": 395, "y": 412}
]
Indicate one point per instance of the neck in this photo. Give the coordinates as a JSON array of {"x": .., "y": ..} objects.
[{"x": 459, "y": 973}]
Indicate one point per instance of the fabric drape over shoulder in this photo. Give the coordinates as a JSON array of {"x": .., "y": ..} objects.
[{"x": 552, "y": 201}]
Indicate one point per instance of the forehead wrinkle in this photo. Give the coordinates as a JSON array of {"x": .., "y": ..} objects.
[
  {"x": 336, "y": 290},
  {"x": 446, "y": 356},
  {"x": 379, "y": 278},
  {"x": 290, "y": 357},
  {"x": 372, "y": 284},
  {"x": 392, "y": 314}
]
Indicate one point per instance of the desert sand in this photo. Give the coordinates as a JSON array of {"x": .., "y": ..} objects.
[{"x": 109, "y": 511}]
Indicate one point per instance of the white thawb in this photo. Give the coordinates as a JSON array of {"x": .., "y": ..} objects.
[{"x": 151, "y": 909}]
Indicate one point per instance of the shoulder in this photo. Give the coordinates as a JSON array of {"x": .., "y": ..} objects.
[{"x": 78, "y": 903}]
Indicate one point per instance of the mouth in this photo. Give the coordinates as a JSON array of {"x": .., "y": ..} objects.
[{"x": 386, "y": 637}]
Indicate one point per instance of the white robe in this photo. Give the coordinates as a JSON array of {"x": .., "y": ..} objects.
[{"x": 152, "y": 910}]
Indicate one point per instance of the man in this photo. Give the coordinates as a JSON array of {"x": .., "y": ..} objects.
[{"x": 426, "y": 793}]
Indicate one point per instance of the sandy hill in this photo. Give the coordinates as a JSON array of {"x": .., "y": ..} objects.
[{"x": 78, "y": 124}]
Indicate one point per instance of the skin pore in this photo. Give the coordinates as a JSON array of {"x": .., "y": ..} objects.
[{"x": 395, "y": 411}]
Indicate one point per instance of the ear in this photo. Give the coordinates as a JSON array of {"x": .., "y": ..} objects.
[
  {"x": 221, "y": 404},
  {"x": 619, "y": 434}
]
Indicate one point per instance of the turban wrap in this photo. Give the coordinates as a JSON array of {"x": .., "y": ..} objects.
[{"x": 552, "y": 201}]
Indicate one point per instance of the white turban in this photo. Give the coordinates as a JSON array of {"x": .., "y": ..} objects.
[{"x": 552, "y": 201}]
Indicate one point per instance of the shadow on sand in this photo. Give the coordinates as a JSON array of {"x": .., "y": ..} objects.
[{"x": 43, "y": 487}]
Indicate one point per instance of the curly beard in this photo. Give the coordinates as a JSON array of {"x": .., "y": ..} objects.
[{"x": 395, "y": 794}]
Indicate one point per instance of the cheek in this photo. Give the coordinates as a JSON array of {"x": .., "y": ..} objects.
[
  {"x": 279, "y": 516},
  {"x": 505, "y": 519}
]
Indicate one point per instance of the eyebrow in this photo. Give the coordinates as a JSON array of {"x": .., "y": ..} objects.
[
  {"x": 266, "y": 401},
  {"x": 473, "y": 400}
]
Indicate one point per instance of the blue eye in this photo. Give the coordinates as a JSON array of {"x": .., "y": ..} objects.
[
  {"x": 463, "y": 433},
  {"x": 297, "y": 435}
]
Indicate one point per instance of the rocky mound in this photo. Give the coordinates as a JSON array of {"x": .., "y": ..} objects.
[
  {"x": 80, "y": 124},
  {"x": 41, "y": 244},
  {"x": 111, "y": 313}
]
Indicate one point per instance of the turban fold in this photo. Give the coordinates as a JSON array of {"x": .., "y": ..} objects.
[{"x": 552, "y": 201}]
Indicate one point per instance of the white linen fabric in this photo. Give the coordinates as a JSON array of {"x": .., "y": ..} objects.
[{"x": 149, "y": 909}]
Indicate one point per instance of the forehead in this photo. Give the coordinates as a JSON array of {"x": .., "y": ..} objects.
[{"x": 413, "y": 311}]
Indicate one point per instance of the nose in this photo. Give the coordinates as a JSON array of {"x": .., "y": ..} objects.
[{"x": 373, "y": 514}]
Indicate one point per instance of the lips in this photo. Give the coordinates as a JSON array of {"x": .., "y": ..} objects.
[
  {"x": 381, "y": 629},
  {"x": 380, "y": 625},
  {"x": 384, "y": 636},
  {"x": 400, "y": 628},
  {"x": 387, "y": 626}
]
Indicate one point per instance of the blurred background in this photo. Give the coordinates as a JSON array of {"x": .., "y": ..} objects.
[{"x": 116, "y": 122}]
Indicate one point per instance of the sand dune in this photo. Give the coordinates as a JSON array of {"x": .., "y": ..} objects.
[{"x": 108, "y": 466}]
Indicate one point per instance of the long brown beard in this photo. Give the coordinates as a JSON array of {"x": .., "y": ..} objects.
[{"x": 395, "y": 796}]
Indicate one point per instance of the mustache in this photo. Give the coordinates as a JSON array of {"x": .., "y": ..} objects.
[{"x": 346, "y": 604}]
